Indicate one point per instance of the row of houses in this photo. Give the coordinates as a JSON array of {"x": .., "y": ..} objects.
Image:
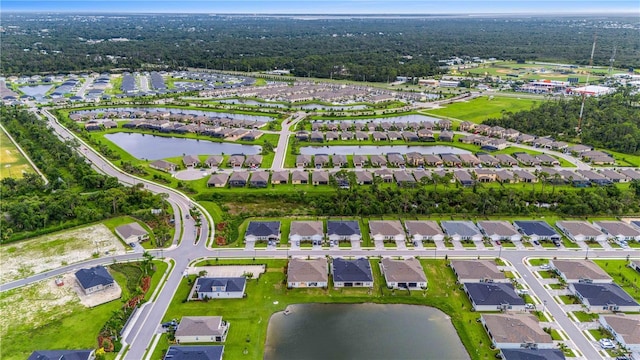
[
  {"x": 409, "y": 136},
  {"x": 375, "y": 125},
  {"x": 165, "y": 126},
  {"x": 162, "y": 116},
  {"x": 235, "y": 161}
]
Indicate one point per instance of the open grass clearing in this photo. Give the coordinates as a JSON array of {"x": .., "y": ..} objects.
[
  {"x": 28, "y": 257},
  {"x": 484, "y": 107},
  {"x": 626, "y": 277},
  {"x": 12, "y": 163}
]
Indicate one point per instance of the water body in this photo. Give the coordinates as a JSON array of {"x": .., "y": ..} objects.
[
  {"x": 185, "y": 111},
  {"x": 152, "y": 147},
  {"x": 380, "y": 150},
  {"x": 36, "y": 90},
  {"x": 362, "y": 332}
]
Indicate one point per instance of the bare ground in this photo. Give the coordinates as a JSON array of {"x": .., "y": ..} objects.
[{"x": 25, "y": 258}]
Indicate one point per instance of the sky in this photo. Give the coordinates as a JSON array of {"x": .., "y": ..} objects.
[{"x": 631, "y": 7}]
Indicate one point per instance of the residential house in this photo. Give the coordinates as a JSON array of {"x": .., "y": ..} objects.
[
  {"x": 359, "y": 160},
  {"x": 94, "y": 279},
  {"x": 410, "y": 136},
  {"x": 506, "y": 160},
  {"x": 451, "y": 160},
  {"x": 614, "y": 176},
  {"x": 214, "y": 161},
  {"x": 208, "y": 352},
  {"x": 425, "y": 135},
  {"x": 280, "y": 177},
  {"x": 469, "y": 160},
  {"x": 394, "y": 135},
  {"x": 423, "y": 230},
  {"x": 525, "y": 176},
  {"x": 362, "y": 136},
  {"x": 467, "y": 126},
  {"x": 364, "y": 178},
  {"x": 378, "y": 160},
  {"x": 487, "y": 296},
  {"x": 580, "y": 231},
  {"x": 516, "y": 331},
  {"x": 379, "y": 136},
  {"x": 320, "y": 178},
  {"x": 317, "y": 136},
  {"x": 505, "y": 177},
  {"x": 62, "y": 355},
  {"x": 163, "y": 165},
  {"x": 547, "y": 160},
  {"x": 218, "y": 288},
  {"x": 351, "y": 273},
  {"x": 306, "y": 231},
  {"x": 464, "y": 178},
  {"x": 403, "y": 274},
  {"x": 236, "y": 161},
  {"x": 432, "y": 160},
  {"x": 404, "y": 178},
  {"x": 303, "y": 160},
  {"x": 446, "y": 136},
  {"x": 239, "y": 179},
  {"x": 339, "y": 160},
  {"x": 331, "y": 135},
  {"x": 321, "y": 160},
  {"x": 132, "y": 232},
  {"x": 618, "y": 230},
  {"x": 526, "y": 159},
  {"x": 536, "y": 230},
  {"x": 625, "y": 329},
  {"x": 525, "y": 139},
  {"x": 597, "y": 297},
  {"x": 299, "y": 177},
  {"x": 196, "y": 329},
  {"x": 303, "y": 273},
  {"x": 259, "y": 179},
  {"x": 218, "y": 180},
  {"x": 477, "y": 271},
  {"x": 343, "y": 230},
  {"x": 572, "y": 271},
  {"x": 485, "y": 175},
  {"x": 415, "y": 159},
  {"x": 499, "y": 230},
  {"x": 263, "y": 231},
  {"x": 488, "y": 160},
  {"x": 346, "y": 135},
  {"x": 444, "y": 124},
  {"x": 532, "y": 354},
  {"x": 391, "y": 230},
  {"x": 462, "y": 230},
  {"x": 253, "y": 161}
]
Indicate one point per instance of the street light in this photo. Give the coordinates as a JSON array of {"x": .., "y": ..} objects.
[
  {"x": 500, "y": 251},
  {"x": 587, "y": 256}
]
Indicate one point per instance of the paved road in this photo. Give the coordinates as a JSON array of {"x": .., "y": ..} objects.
[
  {"x": 88, "y": 81},
  {"x": 283, "y": 140}
]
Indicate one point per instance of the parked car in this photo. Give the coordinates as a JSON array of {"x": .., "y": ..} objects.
[
  {"x": 606, "y": 344},
  {"x": 536, "y": 242},
  {"x": 169, "y": 324},
  {"x": 545, "y": 267}
]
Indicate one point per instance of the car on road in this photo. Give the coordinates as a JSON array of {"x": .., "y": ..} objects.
[
  {"x": 606, "y": 344},
  {"x": 498, "y": 242}
]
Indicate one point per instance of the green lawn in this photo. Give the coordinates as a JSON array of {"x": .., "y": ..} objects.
[
  {"x": 249, "y": 317},
  {"x": 569, "y": 299},
  {"x": 585, "y": 316},
  {"x": 12, "y": 163},
  {"x": 557, "y": 286},
  {"x": 113, "y": 223},
  {"x": 481, "y": 108},
  {"x": 622, "y": 275}
]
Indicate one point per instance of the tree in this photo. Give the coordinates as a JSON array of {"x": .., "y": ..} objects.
[{"x": 147, "y": 262}]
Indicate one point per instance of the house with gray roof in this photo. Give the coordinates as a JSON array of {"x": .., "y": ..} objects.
[
  {"x": 62, "y": 355},
  {"x": 403, "y": 274},
  {"x": 360, "y": 160},
  {"x": 396, "y": 159},
  {"x": 218, "y": 288},
  {"x": 214, "y": 160},
  {"x": 477, "y": 271},
  {"x": 499, "y": 230},
  {"x": 304, "y": 273},
  {"x": 306, "y": 231},
  {"x": 378, "y": 160},
  {"x": 580, "y": 231},
  {"x": 604, "y": 297},
  {"x": 423, "y": 230},
  {"x": 404, "y": 178},
  {"x": 208, "y": 352},
  {"x": 94, "y": 279},
  {"x": 321, "y": 160},
  {"x": 190, "y": 160},
  {"x": 259, "y": 179},
  {"x": 218, "y": 180},
  {"x": 343, "y": 230},
  {"x": 163, "y": 165},
  {"x": 516, "y": 331},
  {"x": 132, "y": 232},
  {"x": 506, "y": 160},
  {"x": 618, "y": 230},
  {"x": 262, "y": 231},
  {"x": 625, "y": 329},
  {"x": 239, "y": 179},
  {"x": 253, "y": 161},
  {"x": 320, "y": 178},
  {"x": 195, "y": 329},
  {"x": 487, "y": 296},
  {"x": 532, "y": 354},
  {"x": 339, "y": 160},
  {"x": 364, "y": 177},
  {"x": 580, "y": 270},
  {"x": 299, "y": 177},
  {"x": 390, "y": 230},
  {"x": 351, "y": 273},
  {"x": 303, "y": 160},
  {"x": 280, "y": 177},
  {"x": 461, "y": 230},
  {"x": 236, "y": 161}
]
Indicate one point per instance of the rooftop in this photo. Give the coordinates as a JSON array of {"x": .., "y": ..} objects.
[
  {"x": 618, "y": 228},
  {"x": 502, "y": 228},
  {"x": 235, "y": 284},
  {"x": 200, "y": 326},
  {"x": 386, "y": 227},
  {"x": 604, "y": 294},
  {"x": 94, "y": 276},
  {"x": 343, "y": 228},
  {"x": 493, "y": 294},
  {"x": 627, "y": 326},
  {"x": 533, "y": 227},
  {"x": 477, "y": 269},
  {"x": 209, "y": 352},
  {"x": 462, "y": 228},
  {"x": 263, "y": 228},
  {"x": 515, "y": 329},
  {"x": 352, "y": 270},
  {"x": 131, "y": 229},
  {"x": 306, "y": 228},
  {"x": 579, "y": 228},
  {"x": 428, "y": 228},
  {"x": 581, "y": 269},
  {"x": 532, "y": 354},
  {"x": 300, "y": 270},
  {"x": 408, "y": 270},
  {"x": 61, "y": 355}
]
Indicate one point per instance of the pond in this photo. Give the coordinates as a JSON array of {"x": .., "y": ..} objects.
[
  {"x": 152, "y": 147},
  {"x": 185, "y": 111},
  {"x": 380, "y": 150},
  {"x": 362, "y": 331},
  {"x": 36, "y": 90}
]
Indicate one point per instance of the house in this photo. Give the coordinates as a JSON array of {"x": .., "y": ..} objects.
[
  {"x": 190, "y": 161},
  {"x": 525, "y": 176},
  {"x": 425, "y": 135},
  {"x": 94, "y": 279},
  {"x": 378, "y": 160},
  {"x": 477, "y": 271},
  {"x": 446, "y": 136},
  {"x": 572, "y": 271},
  {"x": 536, "y": 230},
  {"x": 280, "y": 177},
  {"x": 236, "y": 161},
  {"x": 505, "y": 177},
  {"x": 195, "y": 329},
  {"x": 444, "y": 124},
  {"x": 263, "y": 231},
  {"x": 394, "y": 135},
  {"x": 499, "y": 230},
  {"x": 239, "y": 179},
  {"x": 625, "y": 329},
  {"x": 396, "y": 159},
  {"x": 604, "y": 297},
  {"x": 331, "y": 135},
  {"x": 418, "y": 230},
  {"x": 214, "y": 160},
  {"x": 317, "y": 136},
  {"x": 516, "y": 331},
  {"x": 321, "y": 160},
  {"x": 450, "y": 160},
  {"x": 218, "y": 288},
  {"x": 320, "y": 178},
  {"x": 506, "y": 160},
  {"x": 403, "y": 274},
  {"x": 410, "y": 136},
  {"x": 415, "y": 158},
  {"x": 547, "y": 160},
  {"x": 306, "y": 231},
  {"x": 488, "y": 296},
  {"x": 469, "y": 160},
  {"x": 346, "y": 135},
  {"x": 532, "y": 354},
  {"x": 351, "y": 273},
  {"x": 461, "y": 230},
  {"x": 526, "y": 159},
  {"x": 614, "y": 176},
  {"x": 618, "y": 230},
  {"x": 62, "y": 355},
  {"x": 339, "y": 160},
  {"x": 364, "y": 178},
  {"x": 381, "y": 230},
  {"x": 379, "y": 136},
  {"x": 630, "y": 174},
  {"x": 343, "y": 230},
  {"x": 404, "y": 178},
  {"x": 303, "y": 160},
  {"x": 488, "y": 160},
  {"x": 466, "y": 126},
  {"x": 302, "y": 273},
  {"x": 485, "y": 175},
  {"x": 359, "y": 160},
  {"x": 218, "y": 180},
  {"x": 163, "y": 165},
  {"x": 635, "y": 264},
  {"x": 362, "y": 136},
  {"x": 132, "y": 232},
  {"x": 259, "y": 179},
  {"x": 580, "y": 231},
  {"x": 299, "y": 177},
  {"x": 432, "y": 160},
  {"x": 253, "y": 161},
  {"x": 209, "y": 352},
  {"x": 302, "y": 135}
]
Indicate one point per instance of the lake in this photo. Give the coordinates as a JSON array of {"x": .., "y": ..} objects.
[
  {"x": 362, "y": 331},
  {"x": 152, "y": 147},
  {"x": 380, "y": 150},
  {"x": 36, "y": 90}
]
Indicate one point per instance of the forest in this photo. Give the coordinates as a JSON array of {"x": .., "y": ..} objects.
[
  {"x": 75, "y": 194},
  {"x": 371, "y": 49},
  {"x": 610, "y": 122}
]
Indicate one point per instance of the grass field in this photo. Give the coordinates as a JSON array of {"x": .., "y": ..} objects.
[
  {"x": 249, "y": 317},
  {"x": 12, "y": 163},
  {"x": 532, "y": 71},
  {"x": 622, "y": 275},
  {"x": 479, "y": 109}
]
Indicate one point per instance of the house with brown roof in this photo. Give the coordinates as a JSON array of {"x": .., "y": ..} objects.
[
  {"x": 236, "y": 160},
  {"x": 444, "y": 124},
  {"x": 625, "y": 329},
  {"x": 360, "y": 160},
  {"x": 414, "y": 158},
  {"x": 331, "y": 135},
  {"x": 423, "y": 230},
  {"x": 280, "y": 177},
  {"x": 403, "y": 274},
  {"x": 362, "y": 136},
  {"x": 467, "y": 126},
  {"x": 259, "y": 179},
  {"x": 515, "y": 331},
  {"x": 306, "y": 231},
  {"x": 432, "y": 160},
  {"x": 378, "y": 160},
  {"x": 339, "y": 160},
  {"x": 390, "y": 230},
  {"x": 572, "y": 271},
  {"x": 379, "y": 136},
  {"x": 320, "y": 178},
  {"x": 580, "y": 231},
  {"x": 425, "y": 135},
  {"x": 197, "y": 329},
  {"x": 364, "y": 178},
  {"x": 321, "y": 160},
  {"x": 476, "y": 271},
  {"x": 253, "y": 161},
  {"x": 163, "y": 165},
  {"x": 469, "y": 160},
  {"x": 214, "y": 161},
  {"x": 303, "y": 160},
  {"x": 302, "y": 273},
  {"x": 218, "y": 180},
  {"x": 396, "y": 159},
  {"x": 446, "y": 136},
  {"x": 485, "y": 175},
  {"x": 506, "y": 160},
  {"x": 299, "y": 177},
  {"x": 499, "y": 230},
  {"x": 488, "y": 160},
  {"x": 239, "y": 179}
]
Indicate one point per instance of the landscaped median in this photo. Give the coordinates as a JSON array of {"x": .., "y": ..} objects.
[{"x": 249, "y": 317}]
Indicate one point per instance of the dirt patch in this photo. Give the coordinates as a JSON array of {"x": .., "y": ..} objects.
[
  {"x": 25, "y": 258},
  {"x": 95, "y": 299}
]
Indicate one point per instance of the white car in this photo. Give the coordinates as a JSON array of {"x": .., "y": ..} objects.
[
  {"x": 545, "y": 267},
  {"x": 606, "y": 344}
]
